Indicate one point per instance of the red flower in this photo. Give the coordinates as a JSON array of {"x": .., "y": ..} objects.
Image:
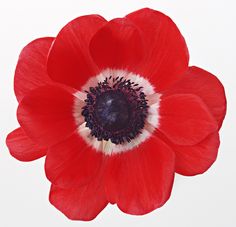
[{"x": 117, "y": 111}]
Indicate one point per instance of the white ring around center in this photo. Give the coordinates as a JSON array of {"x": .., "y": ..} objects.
[{"x": 151, "y": 123}]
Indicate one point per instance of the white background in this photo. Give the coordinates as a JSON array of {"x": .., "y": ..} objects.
[{"x": 205, "y": 200}]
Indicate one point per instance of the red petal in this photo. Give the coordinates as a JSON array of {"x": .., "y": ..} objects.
[
  {"x": 141, "y": 180},
  {"x": 167, "y": 56},
  {"x": 31, "y": 67},
  {"x": 192, "y": 160},
  {"x": 72, "y": 163},
  {"x": 117, "y": 45},
  {"x": 185, "y": 119},
  {"x": 69, "y": 60},
  {"x": 46, "y": 115},
  {"x": 81, "y": 203},
  {"x": 202, "y": 83},
  {"x": 22, "y": 147}
]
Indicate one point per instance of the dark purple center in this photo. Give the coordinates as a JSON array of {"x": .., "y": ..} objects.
[
  {"x": 112, "y": 110},
  {"x": 115, "y": 109}
]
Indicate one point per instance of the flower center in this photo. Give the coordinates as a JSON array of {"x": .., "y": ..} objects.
[
  {"x": 115, "y": 110},
  {"x": 112, "y": 110}
]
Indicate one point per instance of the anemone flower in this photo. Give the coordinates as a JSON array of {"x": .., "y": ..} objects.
[{"x": 116, "y": 110}]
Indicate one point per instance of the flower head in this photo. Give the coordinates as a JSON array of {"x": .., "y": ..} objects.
[{"x": 117, "y": 111}]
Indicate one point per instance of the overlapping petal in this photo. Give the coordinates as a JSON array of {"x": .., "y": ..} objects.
[
  {"x": 185, "y": 119},
  {"x": 72, "y": 163},
  {"x": 80, "y": 203},
  {"x": 167, "y": 54},
  {"x": 31, "y": 71},
  {"x": 69, "y": 61},
  {"x": 118, "y": 45},
  {"x": 22, "y": 147},
  {"x": 192, "y": 160},
  {"x": 205, "y": 85},
  {"x": 190, "y": 113},
  {"x": 141, "y": 180},
  {"x": 46, "y": 115}
]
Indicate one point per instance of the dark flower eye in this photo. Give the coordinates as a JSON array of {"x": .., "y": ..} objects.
[{"x": 116, "y": 110}]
